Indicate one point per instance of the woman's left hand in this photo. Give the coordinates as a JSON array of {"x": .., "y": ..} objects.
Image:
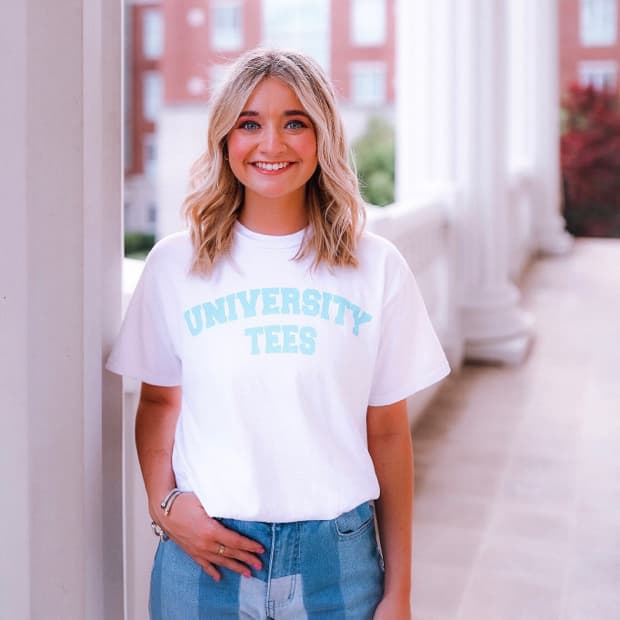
[{"x": 393, "y": 609}]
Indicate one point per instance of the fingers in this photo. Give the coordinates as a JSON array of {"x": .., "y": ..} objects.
[
  {"x": 211, "y": 570},
  {"x": 221, "y": 551},
  {"x": 234, "y": 540},
  {"x": 230, "y": 563},
  {"x": 202, "y": 537}
]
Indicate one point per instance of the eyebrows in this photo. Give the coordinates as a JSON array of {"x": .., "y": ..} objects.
[{"x": 254, "y": 113}]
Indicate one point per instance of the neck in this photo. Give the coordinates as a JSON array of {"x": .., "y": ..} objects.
[{"x": 280, "y": 216}]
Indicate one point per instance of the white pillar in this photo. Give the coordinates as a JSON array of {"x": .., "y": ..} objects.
[
  {"x": 425, "y": 124},
  {"x": 550, "y": 236},
  {"x": 495, "y": 327},
  {"x": 60, "y": 229},
  {"x": 425, "y": 97}
]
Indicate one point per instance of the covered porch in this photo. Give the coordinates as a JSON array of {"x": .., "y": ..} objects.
[
  {"x": 517, "y": 511},
  {"x": 478, "y": 204}
]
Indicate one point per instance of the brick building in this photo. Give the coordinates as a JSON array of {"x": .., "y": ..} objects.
[
  {"x": 177, "y": 50},
  {"x": 589, "y": 42}
]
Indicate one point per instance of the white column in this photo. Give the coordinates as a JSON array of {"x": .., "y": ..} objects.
[
  {"x": 550, "y": 236},
  {"x": 14, "y": 424},
  {"x": 425, "y": 97},
  {"x": 426, "y": 100},
  {"x": 495, "y": 327},
  {"x": 60, "y": 229}
]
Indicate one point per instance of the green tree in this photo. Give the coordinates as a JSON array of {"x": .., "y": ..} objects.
[{"x": 374, "y": 154}]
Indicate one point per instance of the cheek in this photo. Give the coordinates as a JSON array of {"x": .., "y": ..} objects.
[
  {"x": 309, "y": 148},
  {"x": 234, "y": 146}
]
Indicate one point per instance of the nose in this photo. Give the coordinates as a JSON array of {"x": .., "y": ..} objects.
[{"x": 272, "y": 140}]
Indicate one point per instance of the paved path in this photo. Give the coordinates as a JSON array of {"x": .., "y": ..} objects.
[{"x": 518, "y": 469}]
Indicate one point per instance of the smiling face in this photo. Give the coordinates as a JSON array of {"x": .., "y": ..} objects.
[{"x": 272, "y": 148}]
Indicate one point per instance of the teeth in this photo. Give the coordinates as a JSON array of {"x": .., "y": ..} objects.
[{"x": 265, "y": 166}]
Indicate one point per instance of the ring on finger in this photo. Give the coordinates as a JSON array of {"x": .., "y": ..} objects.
[{"x": 221, "y": 549}]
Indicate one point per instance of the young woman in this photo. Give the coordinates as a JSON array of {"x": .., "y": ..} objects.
[{"x": 277, "y": 343}]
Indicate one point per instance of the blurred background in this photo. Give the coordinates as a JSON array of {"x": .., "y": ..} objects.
[
  {"x": 486, "y": 135},
  {"x": 175, "y": 52}
]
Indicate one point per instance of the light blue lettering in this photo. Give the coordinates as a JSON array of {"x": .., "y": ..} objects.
[
  {"x": 248, "y": 305},
  {"x": 254, "y": 332},
  {"x": 272, "y": 342},
  {"x": 215, "y": 312},
  {"x": 289, "y": 340},
  {"x": 343, "y": 305},
  {"x": 311, "y": 299},
  {"x": 290, "y": 298},
  {"x": 270, "y": 303},
  {"x": 325, "y": 310},
  {"x": 307, "y": 337},
  {"x": 195, "y": 327},
  {"x": 359, "y": 317},
  {"x": 232, "y": 310}
]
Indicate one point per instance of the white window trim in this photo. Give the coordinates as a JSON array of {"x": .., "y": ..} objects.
[
  {"x": 156, "y": 52},
  {"x": 600, "y": 67},
  {"x": 234, "y": 39},
  {"x": 589, "y": 35},
  {"x": 380, "y": 67},
  {"x": 358, "y": 37}
]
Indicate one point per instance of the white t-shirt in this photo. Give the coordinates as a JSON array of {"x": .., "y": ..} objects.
[{"x": 278, "y": 363}]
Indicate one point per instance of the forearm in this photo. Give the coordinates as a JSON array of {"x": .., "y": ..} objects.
[
  {"x": 392, "y": 455},
  {"x": 155, "y": 428}
]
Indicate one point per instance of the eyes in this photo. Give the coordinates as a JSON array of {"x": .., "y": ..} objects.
[{"x": 251, "y": 125}]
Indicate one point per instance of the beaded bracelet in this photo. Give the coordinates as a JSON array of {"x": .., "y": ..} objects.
[
  {"x": 158, "y": 530},
  {"x": 166, "y": 506}
]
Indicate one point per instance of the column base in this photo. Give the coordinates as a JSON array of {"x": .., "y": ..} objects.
[
  {"x": 510, "y": 351},
  {"x": 497, "y": 330},
  {"x": 554, "y": 240}
]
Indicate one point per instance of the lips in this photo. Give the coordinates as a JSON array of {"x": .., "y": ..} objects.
[{"x": 271, "y": 166}]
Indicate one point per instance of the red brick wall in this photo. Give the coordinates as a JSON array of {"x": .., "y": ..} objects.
[
  {"x": 188, "y": 52},
  {"x": 571, "y": 50},
  {"x": 343, "y": 52},
  {"x": 139, "y": 65}
]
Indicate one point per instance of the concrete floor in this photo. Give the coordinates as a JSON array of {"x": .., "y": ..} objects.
[{"x": 517, "y": 513}]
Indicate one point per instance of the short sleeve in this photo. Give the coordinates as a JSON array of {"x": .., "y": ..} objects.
[
  {"x": 144, "y": 348},
  {"x": 410, "y": 357}
]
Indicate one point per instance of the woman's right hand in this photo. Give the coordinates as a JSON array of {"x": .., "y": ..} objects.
[{"x": 207, "y": 541}]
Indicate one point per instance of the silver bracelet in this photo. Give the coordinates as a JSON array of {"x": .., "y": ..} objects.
[
  {"x": 166, "y": 506},
  {"x": 166, "y": 503},
  {"x": 158, "y": 530}
]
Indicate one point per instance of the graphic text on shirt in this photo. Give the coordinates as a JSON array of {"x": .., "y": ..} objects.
[{"x": 287, "y": 338}]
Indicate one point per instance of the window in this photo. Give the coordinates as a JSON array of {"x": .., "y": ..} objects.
[
  {"x": 598, "y": 73},
  {"x": 368, "y": 22},
  {"x": 303, "y": 25},
  {"x": 368, "y": 83},
  {"x": 149, "y": 154},
  {"x": 226, "y": 32},
  {"x": 152, "y": 95},
  {"x": 152, "y": 34},
  {"x": 598, "y": 22}
]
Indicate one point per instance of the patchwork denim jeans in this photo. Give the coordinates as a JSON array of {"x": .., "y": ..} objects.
[{"x": 312, "y": 570}]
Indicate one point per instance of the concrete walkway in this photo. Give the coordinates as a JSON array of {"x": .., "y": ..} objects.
[{"x": 517, "y": 512}]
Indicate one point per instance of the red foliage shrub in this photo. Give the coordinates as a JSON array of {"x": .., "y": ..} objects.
[{"x": 590, "y": 148}]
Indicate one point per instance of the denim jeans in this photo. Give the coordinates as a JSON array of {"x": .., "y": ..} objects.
[{"x": 312, "y": 570}]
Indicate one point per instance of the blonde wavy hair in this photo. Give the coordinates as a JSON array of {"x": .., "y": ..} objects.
[{"x": 336, "y": 211}]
